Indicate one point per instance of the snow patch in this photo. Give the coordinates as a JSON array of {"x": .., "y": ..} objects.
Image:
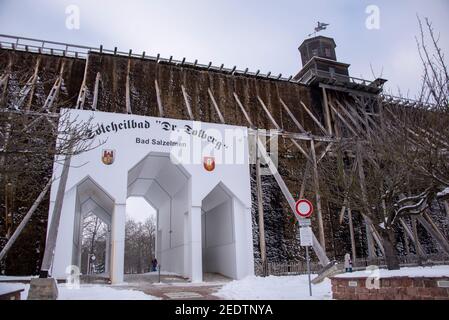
[
  {"x": 275, "y": 288},
  {"x": 85, "y": 292},
  {"x": 412, "y": 272},
  {"x": 10, "y": 287}
]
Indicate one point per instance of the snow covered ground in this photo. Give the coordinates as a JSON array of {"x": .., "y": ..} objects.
[
  {"x": 275, "y": 288},
  {"x": 84, "y": 292},
  {"x": 434, "y": 271}
]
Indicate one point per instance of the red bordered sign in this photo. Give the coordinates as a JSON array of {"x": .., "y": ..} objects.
[{"x": 304, "y": 208}]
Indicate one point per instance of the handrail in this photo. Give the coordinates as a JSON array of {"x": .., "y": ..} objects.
[{"x": 81, "y": 51}]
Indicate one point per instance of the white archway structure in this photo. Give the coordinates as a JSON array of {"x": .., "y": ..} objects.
[{"x": 203, "y": 215}]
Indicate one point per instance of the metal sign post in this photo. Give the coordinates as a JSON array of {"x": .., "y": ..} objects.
[
  {"x": 304, "y": 209},
  {"x": 308, "y": 270},
  {"x": 305, "y": 234}
]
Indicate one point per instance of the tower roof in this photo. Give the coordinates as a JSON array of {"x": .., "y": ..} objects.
[{"x": 309, "y": 40}]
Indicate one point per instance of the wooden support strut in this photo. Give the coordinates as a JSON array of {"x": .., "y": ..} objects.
[
  {"x": 50, "y": 244},
  {"x": 327, "y": 112},
  {"x": 248, "y": 119},
  {"x": 187, "y": 102},
  {"x": 54, "y": 92},
  {"x": 33, "y": 84},
  {"x": 96, "y": 88},
  {"x": 317, "y": 195},
  {"x": 411, "y": 236},
  {"x": 297, "y": 145},
  {"x": 260, "y": 209},
  {"x": 319, "y": 250},
  {"x": 159, "y": 100},
  {"x": 351, "y": 234},
  {"x": 314, "y": 118},
  {"x": 83, "y": 89},
  {"x": 127, "y": 89},
  {"x": 295, "y": 121},
  {"x": 25, "y": 220},
  {"x": 217, "y": 109},
  {"x": 343, "y": 120}
]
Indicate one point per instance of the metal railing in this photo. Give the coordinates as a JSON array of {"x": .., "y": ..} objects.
[
  {"x": 310, "y": 74},
  {"x": 80, "y": 51},
  {"x": 285, "y": 268},
  {"x": 298, "y": 268}
]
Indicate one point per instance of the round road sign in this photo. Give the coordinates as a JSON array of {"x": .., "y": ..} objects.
[{"x": 304, "y": 208}]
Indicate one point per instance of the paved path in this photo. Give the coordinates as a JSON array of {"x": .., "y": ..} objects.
[{"x": 176, "y": 287}]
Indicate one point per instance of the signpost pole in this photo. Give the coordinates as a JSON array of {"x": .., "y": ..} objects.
[
  {"x": 308, "y": 269},
  {"x": 304, "y": 209}
]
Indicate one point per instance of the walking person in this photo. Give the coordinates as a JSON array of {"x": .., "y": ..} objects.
[
  {"x": 154, "y": 264},
  {"x": 348, "y": 263}
]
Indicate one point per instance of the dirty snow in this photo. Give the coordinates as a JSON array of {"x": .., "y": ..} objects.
[
  {"x": 275, "y": 288},
  {"x": 434, "y": 271}
]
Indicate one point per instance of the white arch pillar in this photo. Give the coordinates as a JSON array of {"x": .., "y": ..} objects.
[
  {"x": 118, "y": 243},
  {"x": 196, "y": 259}
]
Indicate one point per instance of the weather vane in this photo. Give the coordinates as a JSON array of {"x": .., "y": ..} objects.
[{"x": 320, "y": 27}]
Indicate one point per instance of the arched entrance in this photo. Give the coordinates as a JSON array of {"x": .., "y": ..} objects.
[{"x": 165, "y": 186}]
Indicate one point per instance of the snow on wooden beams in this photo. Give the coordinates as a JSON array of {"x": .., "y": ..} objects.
[
  {"x": 83, "y": 89},
  {"x": 52, "y": 96},
  {"x": 96, "y": 88},
  {"x": 29, "y": 87}
]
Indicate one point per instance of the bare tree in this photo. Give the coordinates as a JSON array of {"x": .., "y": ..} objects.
[{"x": 396, "y": 168}]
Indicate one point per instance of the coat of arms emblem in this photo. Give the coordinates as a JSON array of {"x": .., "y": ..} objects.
[
  {"x": 209, "y": 163},
  {"x": 107, "y": 156}
]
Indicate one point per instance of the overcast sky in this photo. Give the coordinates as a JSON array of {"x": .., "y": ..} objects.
[{"x": 248, "y": 33}]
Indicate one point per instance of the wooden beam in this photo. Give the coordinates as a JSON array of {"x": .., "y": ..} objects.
[
  {"x": 351, "y": 234},
  {"x": 54, "y": 92},
  {"x": 96, "y": 89},
  {"x": 410, "y": 234},
  {"x": 127, "y": 91},
  {"x": 434, "y": 233},
  {"x": 268, "y": 113},
  {"x": 50, "y": 244},
  {"x": 187, "y": 102},
  {"x": 319, "y": 250},
  {"x": 159, "y": 100},
  {"x": 25, "y": 220},
  {"x": 248, "y": 119},
  {"x": 346, "y": 112},
  {"x": 326, "y": 112},
  {"x": 346, "y": 90},
  {"x": 214, "y": 103},
  {"x": 33, "y": 83},
  {"x": 260, "y": 209},
  {"x": 343, "y": 120},
  {"x": 83, "y": 89},
  {"x": 295, "y": 121},
  {"x": 418, "y": 247},
  {"x": 318, "y": 123},
  {"x": 317, "y": 196},
  {"x": 304, "y": 180}
]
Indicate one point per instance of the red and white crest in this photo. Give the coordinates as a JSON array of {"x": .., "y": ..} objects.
[
  {"x": 209, "y": 163},
  {"x": 107, "y": 156}
]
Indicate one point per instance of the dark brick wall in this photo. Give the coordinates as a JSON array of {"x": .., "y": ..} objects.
[{"x": 394, "y": 288}]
